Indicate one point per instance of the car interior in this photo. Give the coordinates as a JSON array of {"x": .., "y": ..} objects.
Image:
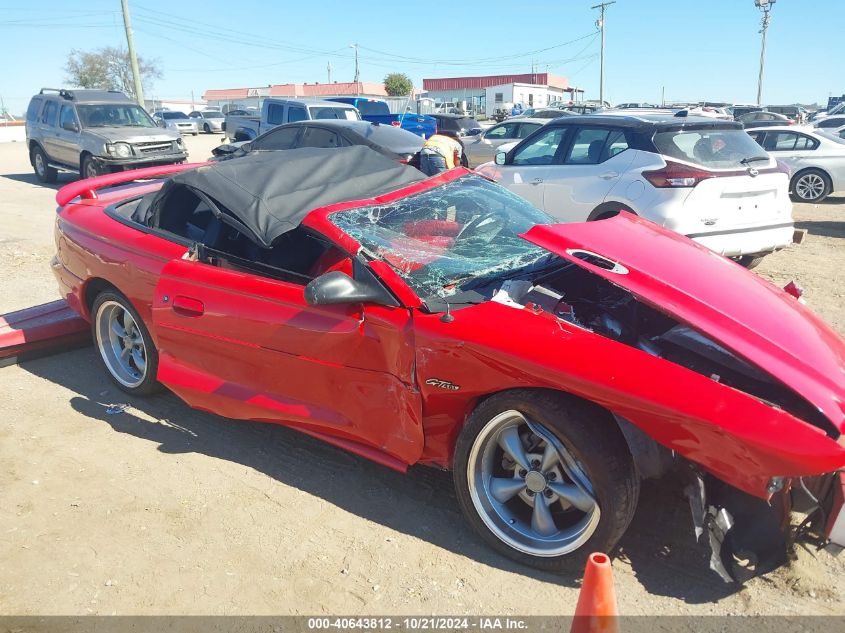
[{"x": 296, "y": 256}]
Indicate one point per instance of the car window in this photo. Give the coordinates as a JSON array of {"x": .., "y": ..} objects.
[
  {"x": 616, "y": 144},
  {"x": 195, "y": 115},
  {"x": 541, "y": 150},
  {"x": 67, "y": 116},
  {"x": 48, "y": 117},
  {"x": 318, "y": 137},
  {"x": 527, "y": 129},
  {"x": 788, "y": 141},
  {"x": 32, "y": 110},
  {"x": 275, "y": 114},
  {"x": 506, "y": 130},
  {"x": 329, "y": 112},
  {"x": 278, "y": 138},
  {"x": 715, "y": 147},
  {"x": 296, "y": 113},
  {"x": 117, "y": 115},
  {"x": 587, "y": 146}
]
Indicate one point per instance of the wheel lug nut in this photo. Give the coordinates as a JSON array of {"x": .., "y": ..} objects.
[
  {"x": 548, "y": 493},
  {"x": 522, "y": 472},
  {"x": 552, "y": 475},
  {"x": 530, "y": 493},
  {"x": 535, "y": 463}
]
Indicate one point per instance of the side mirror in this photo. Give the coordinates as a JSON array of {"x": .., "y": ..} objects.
[
  {"x": 501, "y": 158},
  {"x": 70, "y": 126},
  {"x": 336, "y": 287}
]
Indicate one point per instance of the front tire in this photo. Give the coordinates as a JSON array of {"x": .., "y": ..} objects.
[
  {"x": 810, "y": 185},
  {"x": 125, "y": 345},
  {"x": 43, "y": 171},
  {"x": 90, "y": 168},
  {"x": 206, "y": 128},
  {"x": 524, "y": 447}
]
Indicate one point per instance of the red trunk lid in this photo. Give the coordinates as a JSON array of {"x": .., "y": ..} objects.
[{"x": 745, "y": 313}]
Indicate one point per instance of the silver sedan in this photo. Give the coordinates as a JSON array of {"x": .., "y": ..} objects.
[
  {"x": 208, "y": 121},
  {"x": 816, "y": 159},
  {"x": 482, "y": 148},
  {"x": 176, "y": 121}
]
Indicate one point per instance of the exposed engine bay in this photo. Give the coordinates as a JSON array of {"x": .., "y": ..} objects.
[{"x": 588, "y": 301}]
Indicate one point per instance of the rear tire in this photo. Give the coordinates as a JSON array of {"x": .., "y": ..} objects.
[
  {"x": 578, "y": 465},
  {"x": 750, "y": 261},
  {"x": 43, "y": 171},
  {"x": 206, "y": 128},
  {"x": 125, "y": 345},
  {"x": 608, "y": 210},
  {"x": 811, "y": 186}
]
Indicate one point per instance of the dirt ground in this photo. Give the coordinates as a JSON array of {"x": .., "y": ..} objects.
[{"x": 160, "y": 509}]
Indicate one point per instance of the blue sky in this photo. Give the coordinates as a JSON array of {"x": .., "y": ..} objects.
[{"x": 696, "y": 50}]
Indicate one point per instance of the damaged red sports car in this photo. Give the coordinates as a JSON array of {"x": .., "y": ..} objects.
[{"x": 447, "y": 322}]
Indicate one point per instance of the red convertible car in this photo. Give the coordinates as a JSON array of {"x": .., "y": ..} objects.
[{"x": 447, "y": 322}]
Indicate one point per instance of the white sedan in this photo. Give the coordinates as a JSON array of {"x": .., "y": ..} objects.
[{"x": 816, "y": 159}]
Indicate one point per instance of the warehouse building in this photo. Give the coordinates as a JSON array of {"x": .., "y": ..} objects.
[
  {"x": 488, "y": 93},
  {"x": 244, "y": 98}
]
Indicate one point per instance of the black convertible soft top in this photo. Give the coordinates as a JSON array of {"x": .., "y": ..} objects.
[{"x": 269, "y": 193}]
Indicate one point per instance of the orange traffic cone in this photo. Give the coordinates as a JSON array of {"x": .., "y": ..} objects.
[{"x": 596, "y": 611}]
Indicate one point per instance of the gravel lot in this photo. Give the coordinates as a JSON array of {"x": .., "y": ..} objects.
[{"x": 165, "y": 510}]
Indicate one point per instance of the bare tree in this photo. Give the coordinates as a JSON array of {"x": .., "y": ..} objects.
[{"x": 108, "y": 68}]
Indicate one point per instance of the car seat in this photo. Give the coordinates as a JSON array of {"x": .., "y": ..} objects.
[{"x": 594, "y": 152}]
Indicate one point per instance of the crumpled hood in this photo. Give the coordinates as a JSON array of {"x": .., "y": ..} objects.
[
  {"x": 748, "y": 315},
  {"x": 132, "y": 134}
]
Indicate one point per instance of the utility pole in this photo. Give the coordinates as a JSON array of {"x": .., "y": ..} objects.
[
  {"x": 357, "y": 85},
  {"x": 329, "y": 69},
  {"x": 765, "y": 6},
  {"x": 600, "y": 24},
  {"x": 130, "y": 43}
]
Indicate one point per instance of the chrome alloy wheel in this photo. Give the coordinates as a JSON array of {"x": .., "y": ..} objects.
[
  {"x": 528, "y": 489},
  {"x": 121, "y": 344},
  {"x": 809, "y": 186}
]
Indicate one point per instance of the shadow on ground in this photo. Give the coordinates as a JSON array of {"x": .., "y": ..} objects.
[
  {"x": 823, "y": 228},
  {"x": 421, "y": 504},
  {"x": 32, "y": 179}
]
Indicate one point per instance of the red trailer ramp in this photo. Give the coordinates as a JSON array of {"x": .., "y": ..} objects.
[{"x": 41, "y": 330}]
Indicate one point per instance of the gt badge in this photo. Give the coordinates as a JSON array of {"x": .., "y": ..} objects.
[{"x": 443, "y": 384}]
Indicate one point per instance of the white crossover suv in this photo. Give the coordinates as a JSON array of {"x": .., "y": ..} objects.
[{"x": 702, "y": 177}]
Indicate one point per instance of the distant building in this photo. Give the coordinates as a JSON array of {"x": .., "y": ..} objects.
[
  {"x": 488, "y": 93},
  {"x": 242, "y": 98},
  {"x": 180, "y": 105}
]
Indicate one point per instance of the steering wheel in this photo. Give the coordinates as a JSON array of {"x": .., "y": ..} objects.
[{"x": 481, "y": 228}]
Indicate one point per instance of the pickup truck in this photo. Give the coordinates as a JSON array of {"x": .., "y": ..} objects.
[
  {"x": 376, "y": 111},
  {"x": 278, "y": 111}
]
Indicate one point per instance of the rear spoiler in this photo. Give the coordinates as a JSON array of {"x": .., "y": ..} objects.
[{"x": 87, "y": 188}]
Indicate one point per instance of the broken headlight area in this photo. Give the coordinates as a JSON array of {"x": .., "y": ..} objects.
[
  {"x": 588, "y": 301},
  {"x": 749, "y": 537}
]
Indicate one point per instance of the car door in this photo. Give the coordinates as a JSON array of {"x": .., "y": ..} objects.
[
  {"x": 483, "y": 148},
  {"x": 67, "y": 137},
  {"x": 592, "y": 164},
  {"x": 248, "y": 346},
  {"x": 792, "y": 148},
  {"x": 47, "y": 126},
  {"x": 533, "y": 162}
]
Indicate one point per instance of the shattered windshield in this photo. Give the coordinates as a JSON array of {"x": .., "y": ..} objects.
[{"x": 446, "y": 237}]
